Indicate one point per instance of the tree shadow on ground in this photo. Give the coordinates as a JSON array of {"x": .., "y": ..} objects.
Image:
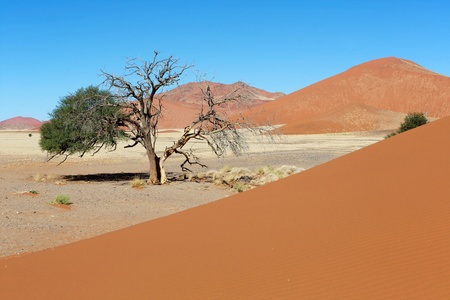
[{"x": 115, "y": 177}]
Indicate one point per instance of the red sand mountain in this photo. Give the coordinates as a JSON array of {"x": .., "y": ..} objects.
[
  {"x": 191, "y": 93},
  {"x": 389, "y": 84},
  {"x": 182, "y": 104},
  {"x": 373, "y": 224},
  {"x": 20, "y": 123},
  {"x": 347, "y": 118}
]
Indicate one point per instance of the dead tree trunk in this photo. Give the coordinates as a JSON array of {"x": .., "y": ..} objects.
[
  {"x": 142, "y": 107},
  {"x": 154, "y": 167}
]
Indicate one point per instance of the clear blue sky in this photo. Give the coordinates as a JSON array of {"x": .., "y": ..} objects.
[{"x": 51, "y": 48}]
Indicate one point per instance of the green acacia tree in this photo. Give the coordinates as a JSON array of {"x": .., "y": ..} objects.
[{"x": 68, "y": 134}]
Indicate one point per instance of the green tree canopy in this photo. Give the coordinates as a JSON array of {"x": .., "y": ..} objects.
[
  {"x": 412, "y": 120},
  {"x": 78, "y": 125}
]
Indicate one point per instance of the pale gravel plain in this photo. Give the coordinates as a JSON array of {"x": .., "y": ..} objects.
[{"x": 98, "y": 186}]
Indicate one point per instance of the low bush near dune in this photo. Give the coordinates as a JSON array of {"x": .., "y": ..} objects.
[{"x": 411, "y": 121}]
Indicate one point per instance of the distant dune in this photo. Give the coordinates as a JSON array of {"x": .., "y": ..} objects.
[
  {"x": 391, "y": 84},
  {"x": 373, "y": 224},
  {"x": 191, "y": 93},
  {"x": 21, "y": 123},
  {"x": 183, "y": 104}
]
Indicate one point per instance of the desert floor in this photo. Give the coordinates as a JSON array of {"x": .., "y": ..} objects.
[{"x": 99, "y": 186}]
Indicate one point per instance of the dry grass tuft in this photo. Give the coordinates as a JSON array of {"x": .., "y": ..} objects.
[
  {"x": 52, "y": 177},
  {"x": 137, "y": 183},
  {"x": 189, "y": 176},
  {"x": 242, "y": 179},
  {"x": 44, "y": 178},
  {"x": 226, "y": 169},
  {"x": 39, "y": 178}
]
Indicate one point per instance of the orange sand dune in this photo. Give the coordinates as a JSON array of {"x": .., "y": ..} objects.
[
  {"x": 374, "y": 224},
  {"x": 348, "y": 118},
  {"x": 191, "y": 92},
  {"x": 183, "y": 104},
  {"x": 387, "y": 83}
]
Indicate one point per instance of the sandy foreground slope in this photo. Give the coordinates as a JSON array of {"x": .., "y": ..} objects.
[
  {"x": 99, "y": 186},
  {"x": 374, "y": 224}
]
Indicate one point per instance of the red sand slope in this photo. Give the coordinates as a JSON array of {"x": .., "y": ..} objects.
[
  {"x": 348, "y": 118},
  {"x": 374, "y": 224},
  {"x": 20, "y": 123},
  {"x": 387, "y": 83}
]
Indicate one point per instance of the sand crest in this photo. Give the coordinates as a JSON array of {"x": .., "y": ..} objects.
[{"x": 374, "y": 224}]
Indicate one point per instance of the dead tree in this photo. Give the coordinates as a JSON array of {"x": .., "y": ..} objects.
[
  {"x": 143, "y": 109},
  {"x": 138, "y": 101}
]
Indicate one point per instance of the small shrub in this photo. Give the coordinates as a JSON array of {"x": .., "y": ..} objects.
[
  {"x": 33, "y": 192},
  {"x": 39, "y": 178},
  {"x": 229, "y": 179},
  {"x": 260, "y": 171},
  {"x": 137, "y": 183},
  {"x": 285, "y": 171},
  {"x": 226, "y": 169},
  {"x": 290, "y": 169},
  {"x": 245, "y": 178},
  {"x": 391, "y": 134},
  {"x": 240, "y": 171},
  {"x": 52, "y": 177},
  {"x": 242, "y": 179},
  {"x": 61, "y": 199},
  {"x": 217, "y": 176},
  {"x": 411, "y": 121},
  {"x": 201, "y": 175},
  {"x": 218, "y": 181},
  {"x": 189, "y": 176},
  {"x": 271, "y": 178},
  {"x": 43, "y": 178},
  {"x": 238, "y": 187},
  {"x": 211, "y": 173},
  {"x": 265, "y": 170}
]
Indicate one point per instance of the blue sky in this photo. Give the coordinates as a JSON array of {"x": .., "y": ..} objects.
[{"x": 49, "y": 49}]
